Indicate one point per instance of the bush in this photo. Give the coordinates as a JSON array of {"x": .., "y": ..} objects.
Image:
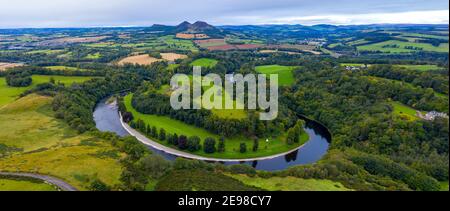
[
  {"x": 243, "y": 148},
  {"x": 193, "y": 143},
  {"x": 209, "y": 146},
  {"x": 18, "y": 78}
]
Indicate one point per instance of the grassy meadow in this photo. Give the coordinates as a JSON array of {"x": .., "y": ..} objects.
[
  {"x": 274, "y": 146},
  {"x": 285, "y": 73},
  {"x": 205, "y": 62},
  {"x": 45, "y": 145},
  {"x": 24, "y": 185}
]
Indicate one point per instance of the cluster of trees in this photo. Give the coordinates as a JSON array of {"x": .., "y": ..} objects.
[
  {"x": 74, "y": 104},
  {"x": 354, "y": 107},
  {"x": 182, "y": 142},
  {"x": 17, "y": 78},
  {"x": 150, "y": 102},
  {"x": 436, "y": 80},
  {"x": 294, "y": 133}
]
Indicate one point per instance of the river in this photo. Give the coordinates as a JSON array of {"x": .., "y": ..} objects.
[{"x": 107, "y": 118}]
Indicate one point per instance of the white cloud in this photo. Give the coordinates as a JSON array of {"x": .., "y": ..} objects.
[{"x": 415, "y": 17}]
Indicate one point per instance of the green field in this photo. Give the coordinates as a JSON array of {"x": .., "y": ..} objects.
[
  {"x": 205, "y": 62},
  {"x": 290, "y": 183},
  {"x": 94, "y": 56},
  {"x": 8, "y": 94},
  {"x": 285, "y": 73},
  {"x": 274, "y": 146},
  {"x": 420, "y": 67},
  {"x": 67, "y": 68},
  {"x": 46, "y": 145},
  {"x": 48, "y": 52},
  {"x": 401, "y": 49},
  {"x": 23, "y": 185},
  {"x": 404, "y": 111}
]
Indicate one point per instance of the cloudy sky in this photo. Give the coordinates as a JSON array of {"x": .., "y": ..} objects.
[{"x": 89, "y": 13}]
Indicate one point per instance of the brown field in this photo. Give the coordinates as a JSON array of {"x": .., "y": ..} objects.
[
  {"x": 191, "y": 36},
  {"x": 233, "y": 47},
  {"x": 4, "y": 66},
  {"x": 306, "y": 48},
  {"x": 172, "y": 56},
  {"x": 139, "y": 60},
  {"x": 276, "y": 51}
]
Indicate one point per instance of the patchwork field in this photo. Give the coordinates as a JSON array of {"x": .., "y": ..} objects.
[
  {"x": 139, "y": 60},
  {"x": 401, "y": 47},
  {"x": 285, "y": 73},
  {"x": 290, "y": 183},
  {"x": 4, "y": 66},
  {"x": 205, "y": 62},
  {"x": 274, "y": 146},
  {"x": 39, "y": 143},
  {"x": 173, "y": 56}
]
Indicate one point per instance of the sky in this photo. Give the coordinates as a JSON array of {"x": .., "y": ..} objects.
[{"x": 93, "y": 13}]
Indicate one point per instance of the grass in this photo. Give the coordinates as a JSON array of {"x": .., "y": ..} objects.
[
  {"x": 420, "y": 67},
  {"x": 48, "y": 146},
  {"x": 404, "y": 111},
  {"x": 47, "y": 52},
  {"x": 93, "y": 56},
  {"x": 274, "y": 146},
  {"x": 198, "y": 180},
  {"x": 205, "y": 62},
  {"x": 401, "y": 49},
  {"x": 444, "y": 186},
  {"x": 285, "y": 73},
  {"x": 23, "y": 185},
  {"x": 290, "y": 183},
  {"x": 65, "y": 68}
]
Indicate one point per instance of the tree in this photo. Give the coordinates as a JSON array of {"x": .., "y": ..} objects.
[
  {"x": 182, "y": 142},
  {"x": 193, "y": 143},
  {"x": 162, "y": 134},
  {"x": 148, "y": 131},
  {"x": 255, "y": 145},
  {"x": 98, "y": 185},
  {"x": 170, "y": 139},
  {"x": 175, "y": 139},
  {"x": 154, "y": 132},
  {"x": 221, "y": 147},
  {"x": 127, "y": 117},
  {"x": 209, "y": 146},
  {"x": 290, "y": 139},
  {"x": 243, "y": 148}
]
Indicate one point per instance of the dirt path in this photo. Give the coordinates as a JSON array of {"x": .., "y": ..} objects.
[{"x": 52, "y": 180}]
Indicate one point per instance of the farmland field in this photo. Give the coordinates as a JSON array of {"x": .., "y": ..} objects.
[
  {"x": 274, "y": 146},
  {"x": 139, "y": 60},
  {"x": 204, "y": 62},
  {"x": 401, "y": 47},
  {"x": 172, "y": 56},
  {"x": 420, "y": 67},
  {"x": 4, "y": 66},
  {"x": 285, "y": 73}
]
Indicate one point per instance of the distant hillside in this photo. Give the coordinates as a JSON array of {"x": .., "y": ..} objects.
[{"x": 186, "y": 27}]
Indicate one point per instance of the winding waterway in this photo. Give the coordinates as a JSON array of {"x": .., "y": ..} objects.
[{"x": 107, "y": 118}]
